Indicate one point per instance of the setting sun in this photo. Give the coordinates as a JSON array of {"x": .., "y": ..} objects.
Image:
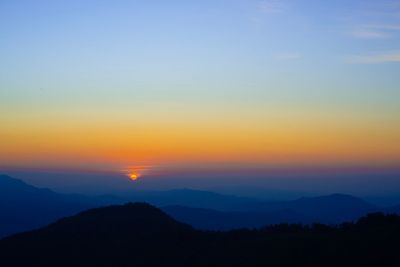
[{"x": 134, "y": 177}]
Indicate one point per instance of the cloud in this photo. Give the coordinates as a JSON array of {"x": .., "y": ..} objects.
[
  {"x": 376, "y": 31},
  {"x": 376, "y": 20},
  {"x": 390, "y": 27},
  {"x": 388, "y": 57},
  {"x": 271, "y": 6},
  {"x": 369, "y": 34}
]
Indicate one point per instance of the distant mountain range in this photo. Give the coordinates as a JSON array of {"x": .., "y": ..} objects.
[
  {"x": 192, "y": 198},
  {"x": 24, "y": 207},
  {"x": 142, "y": 235},
  {"x": 330, "y": 209}
]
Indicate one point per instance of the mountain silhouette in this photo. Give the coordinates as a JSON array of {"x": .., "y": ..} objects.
[
  {"x": 132, "y": 234},
  {"x": 208, "y": 219},
  {"x": 327, "y": 209},
  {"x": 191, "y": 198},
  {"x": 332, "y": 209},
  {"x": 24, "y": 207},
  {"x": 142, "y": 235}
]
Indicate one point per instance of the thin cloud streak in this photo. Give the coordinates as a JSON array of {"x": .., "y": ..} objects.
[
  {"x": 369, "y": 34},
  {"x": 376, "y": 31},
  {"x": 379, "y": 20},
  {"x": 392, "y": 27},
  {"x": 375, "y": 58}
]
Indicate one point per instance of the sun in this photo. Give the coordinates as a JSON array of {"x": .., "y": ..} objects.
[
  {"x": 133, "y": 177},
  {"x": 134, "y": 172}
]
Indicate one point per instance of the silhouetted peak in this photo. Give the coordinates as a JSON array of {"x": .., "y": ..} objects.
[
  {"x": 135, "y": 210},
  {"x": 125, "y": 219}
]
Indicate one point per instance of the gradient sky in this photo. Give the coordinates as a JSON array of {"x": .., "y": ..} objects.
[{"x": 150, "y": 85}]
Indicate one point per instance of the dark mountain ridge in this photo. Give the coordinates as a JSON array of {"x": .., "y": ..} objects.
[{"x": 142, "y": 235}]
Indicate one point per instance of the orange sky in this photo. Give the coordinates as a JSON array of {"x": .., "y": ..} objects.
[{"x": 119, "y": 138}]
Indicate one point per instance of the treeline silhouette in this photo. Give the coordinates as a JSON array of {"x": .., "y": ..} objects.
[{"x": 142, "y": 235}]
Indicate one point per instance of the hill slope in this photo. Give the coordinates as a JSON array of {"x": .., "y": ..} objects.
[
  {"x": 141, "y": 235},
  {"x": 24, "y": 207},
  {"x": 132, "y": 234}
]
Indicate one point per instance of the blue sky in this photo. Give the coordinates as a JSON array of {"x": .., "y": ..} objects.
[{"x": 202, "y": 49}]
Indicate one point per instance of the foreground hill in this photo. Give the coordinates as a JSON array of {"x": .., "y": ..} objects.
[
  {"x": 130, "y": 235},
  {"x": 142, "y": 235}
]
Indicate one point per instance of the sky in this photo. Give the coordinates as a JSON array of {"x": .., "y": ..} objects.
[{"x": 198, "y": 88}]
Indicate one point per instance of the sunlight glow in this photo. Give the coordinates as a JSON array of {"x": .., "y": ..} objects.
[{"x": 133, "y": 177}]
